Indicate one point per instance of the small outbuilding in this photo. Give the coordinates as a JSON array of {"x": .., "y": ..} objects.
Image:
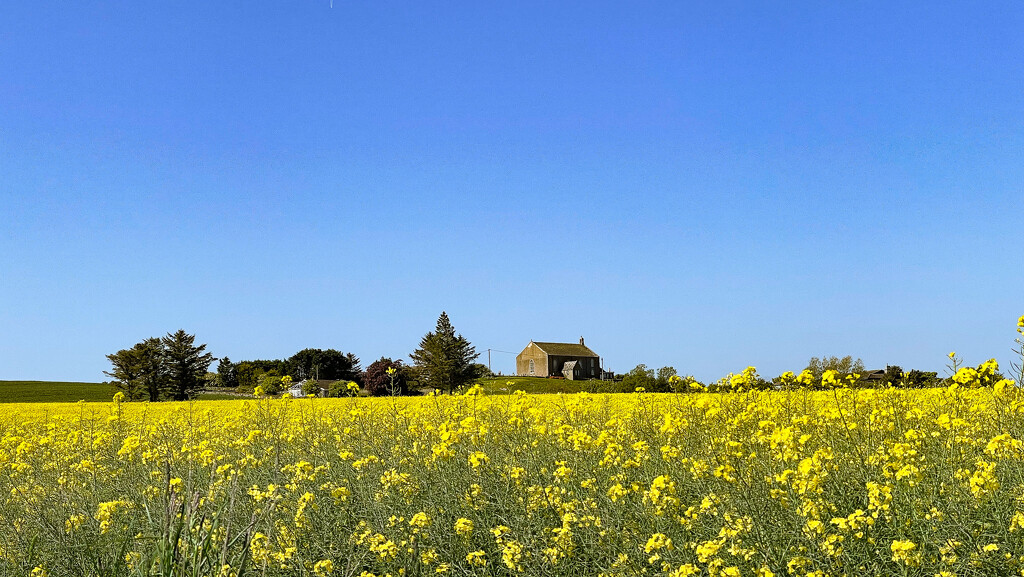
[{"x": 569, "y": 360}]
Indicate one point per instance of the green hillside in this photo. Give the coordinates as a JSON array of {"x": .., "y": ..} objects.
[
  {"x": 508, "y": 385},
  {"x": 53, "y": 392}
]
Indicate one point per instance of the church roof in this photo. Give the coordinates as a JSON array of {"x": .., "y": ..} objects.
[{"x": 566, "y": 349}]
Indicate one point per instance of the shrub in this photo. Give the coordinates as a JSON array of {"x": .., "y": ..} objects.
[
  {"x": 639, "y": 378},
  {"x": 386, "y": 377},
  {"x": 342, "y": 389},
  {"x": 311, "y": 387}
]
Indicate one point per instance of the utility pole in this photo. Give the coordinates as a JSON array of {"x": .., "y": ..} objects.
[{"x": 497, "y": 351}]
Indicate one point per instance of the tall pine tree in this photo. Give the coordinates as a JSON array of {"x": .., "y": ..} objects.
[
  {"x": 154, "y": 371},
  {"x": 444, "y": 359},
  {"x": 186, "y": 364}
]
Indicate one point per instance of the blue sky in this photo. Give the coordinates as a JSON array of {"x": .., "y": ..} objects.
[{"x": 703, "y": 185}]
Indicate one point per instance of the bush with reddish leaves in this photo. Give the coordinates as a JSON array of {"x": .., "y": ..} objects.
[{"x": 386, "y": 377}]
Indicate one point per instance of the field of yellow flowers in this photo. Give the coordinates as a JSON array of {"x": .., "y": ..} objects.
[{"x": 815, "y": 483}]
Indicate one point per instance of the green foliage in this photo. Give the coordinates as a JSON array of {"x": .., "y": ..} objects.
[
  {"x": 686, "y": 384},
  {"x": 186, "y": 364},
  {"x": 227, "y": 374},
  {"x": 481, "y": 371},
  {"x": 639, "y": 378},
  {"x": 920, "y": 379},
  {"x": 844, "y": 366},
  {"x": 328, "y": 364},
  {"x": 154, "y": 370},
  {"x": 126, "y": 372},
  {"x": 893, "y": 375},
  {"x": 663, "y": 381},
  {"x": 310, "y": 387},
  {"x": 343, "y": 389},
  {"x": 444, "y": 360},
  {"x": 273, "y": 383},
  {"x": 140, "y": 372},
  {"x": 248, "y": 375}
]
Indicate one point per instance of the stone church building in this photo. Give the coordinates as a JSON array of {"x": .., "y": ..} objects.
[{"x": 569, "y": 360}]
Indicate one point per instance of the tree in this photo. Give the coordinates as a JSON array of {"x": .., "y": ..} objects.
[
  {"x": 664, "y": 379},
  {"x": 227, "y": 374},
  {"x": 139, "y": 372},
  {"x": 639, "y": 378},
  {"x": 154, "y": 369},
  {"x": 386, "y": 377},
  {"x": 320, "y": 364},
  {"x": 894, "y": 376},
  {"x": 186, "y": 364},
  {"x": 844, "y": 366},
  {"x": 127, "y": 370},
  {"x": 248, "y": 376},
  {"x": 342, "y": 389},
  {"x": 481, "y": 371},
  {"x": 310, "y": 387},
  {"x": 444, "y": 360},
  {"x": 272, "y": 383}
]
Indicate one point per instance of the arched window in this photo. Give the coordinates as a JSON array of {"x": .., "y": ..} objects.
[{"x": 532, "y": 369}]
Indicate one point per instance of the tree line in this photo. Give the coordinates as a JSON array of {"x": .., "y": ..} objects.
[
  {"x": 159, "y": 368},
  {"x": 846, "y": 369},
  {"x": 173, "y": 367}
]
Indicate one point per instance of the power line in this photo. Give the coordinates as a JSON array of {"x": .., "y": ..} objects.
[{"x": 497, "y": 351}]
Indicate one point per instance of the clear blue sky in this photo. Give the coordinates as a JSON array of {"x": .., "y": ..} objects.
[{"x": 706, "y": 185}]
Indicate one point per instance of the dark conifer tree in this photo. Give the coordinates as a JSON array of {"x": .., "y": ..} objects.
[
  {"x": 186, "y": 364},
  {"x": 445, "y": 360}
]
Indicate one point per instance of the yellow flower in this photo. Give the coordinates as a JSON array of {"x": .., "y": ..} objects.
[
  {"x": 420, "y": 520},
  {"x": 73, "y": 523},
  {"x": 1017, "y": 521},
  {"x": 903, "y": 551},
  {"x": 463, "y": 527},
  {"x": 324, "y": 567},
  {"x": 656, "y": 542},
  {"x": 983, "y": 481},
  {"x": 477, "y": 558},
  {"x": 478, "y": 458},
  {"x": 105, "y": 513},
  {"x": 687, "y": 570}
]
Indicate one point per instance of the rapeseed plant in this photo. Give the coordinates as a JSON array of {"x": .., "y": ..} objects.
[{"x": 740, "y": 482}]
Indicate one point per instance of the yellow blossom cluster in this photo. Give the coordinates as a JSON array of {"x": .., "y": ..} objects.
[{"x": 743, "y": 482}]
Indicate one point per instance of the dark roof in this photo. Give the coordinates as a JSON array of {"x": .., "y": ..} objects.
[{"x": 566, "y": 349}]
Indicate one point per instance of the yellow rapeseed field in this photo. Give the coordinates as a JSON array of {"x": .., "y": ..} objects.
[{"x": 808, "y": 483}]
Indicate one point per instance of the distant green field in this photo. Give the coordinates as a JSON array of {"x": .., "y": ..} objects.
[
  {"x": 508, "y": 385},
  {"x": 53, "y": 392}
]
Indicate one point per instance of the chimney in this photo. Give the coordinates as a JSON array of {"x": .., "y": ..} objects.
[{"x": 581, "y": 340}]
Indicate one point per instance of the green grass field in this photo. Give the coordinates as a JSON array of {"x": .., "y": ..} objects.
[
  {"x": 53, "y": 392},
  {"x": 58, "y": 392},
  {"x": 508, "y": 385}
]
